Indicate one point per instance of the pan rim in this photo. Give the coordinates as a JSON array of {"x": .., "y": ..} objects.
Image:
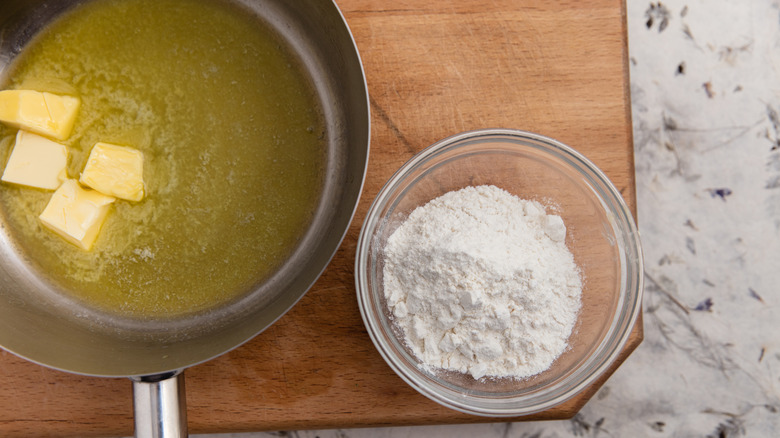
[{"x": 348, "y": 217}]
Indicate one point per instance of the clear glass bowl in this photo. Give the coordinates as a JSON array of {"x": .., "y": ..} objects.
[{"x": 601, "y": 234}]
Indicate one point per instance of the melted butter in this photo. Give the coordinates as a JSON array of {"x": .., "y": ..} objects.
[{"x": 233, "y": 153}]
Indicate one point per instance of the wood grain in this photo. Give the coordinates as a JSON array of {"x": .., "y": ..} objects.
[{"x": 434, "y": 69}]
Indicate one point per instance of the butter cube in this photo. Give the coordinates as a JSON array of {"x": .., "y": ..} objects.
[
  {"x": 44, "y": 113},
  {"x": 36, "y": 161},
  {"x": 76, "y": 213},
  {"x": 116, "y": 171}
]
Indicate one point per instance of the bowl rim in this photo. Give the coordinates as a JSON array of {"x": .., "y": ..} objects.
[{"x": 631, "y": 276}]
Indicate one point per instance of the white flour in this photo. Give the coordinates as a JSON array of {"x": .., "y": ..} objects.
[{"x": 481, "y": 282}]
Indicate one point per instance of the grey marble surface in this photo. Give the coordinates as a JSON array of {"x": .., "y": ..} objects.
[{"x": 705, "y": 86}]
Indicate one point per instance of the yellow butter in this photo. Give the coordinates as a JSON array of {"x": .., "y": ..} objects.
[
  {"x": 44, "y": 113},
  {"x": 76, "y": 213},
  {"x": 115, "y": 170},
  {"x": 36, "y": 161}
]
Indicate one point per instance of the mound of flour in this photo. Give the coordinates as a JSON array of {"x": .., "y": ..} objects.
[{"x": 481, "y": 282}]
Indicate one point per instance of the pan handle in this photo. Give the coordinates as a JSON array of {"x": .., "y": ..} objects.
[{"x": 160, "y": 406}]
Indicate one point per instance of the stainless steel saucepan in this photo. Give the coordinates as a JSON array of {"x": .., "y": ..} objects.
[{"x": 37, "y": 326}]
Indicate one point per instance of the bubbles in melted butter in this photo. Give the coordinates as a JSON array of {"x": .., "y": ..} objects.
[{"x": 233, "y": 157}]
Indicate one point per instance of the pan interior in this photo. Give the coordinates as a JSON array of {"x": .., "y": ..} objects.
[
  {"x": 137, "y": 343},
  {"x": 233, "y": 141}
]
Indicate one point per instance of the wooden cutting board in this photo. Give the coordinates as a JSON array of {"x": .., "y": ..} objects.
[{"x": 434, "y": 68}]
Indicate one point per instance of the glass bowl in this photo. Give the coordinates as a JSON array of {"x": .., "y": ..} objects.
[{"x": 601, "y": 235}]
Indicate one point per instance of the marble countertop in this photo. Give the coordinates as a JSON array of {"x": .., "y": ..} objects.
[{"x": 705, "y": 89}]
